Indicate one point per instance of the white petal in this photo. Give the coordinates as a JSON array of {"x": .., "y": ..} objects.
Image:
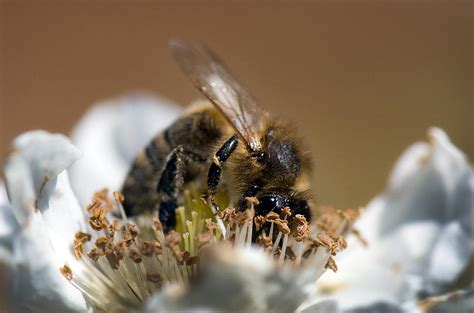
[
  {"x": 449, "y": 257},
  {"x": 8, "y": 225},
  {"x": 36, "y": 158},
  {"x": 239, "y": 281},
  {"x": 37, "y": 284},
  {"x": 320, "y": 306},
  {"x": 35, "y": 179},
  {"x": 3, "y": 194},
  {"x": 62, "y": 215},
  {"x": 420, "y": 230},
  {"x": 8, "y": 232},
  {"x": 110, "y": 135},
  {"x": 44, "y": 243},
  {"x": 457, "y": 301},
  {"x": 429, "y": 182},
  {"x": 384, "y": 270},
  {"x": 380, "y": 307}
]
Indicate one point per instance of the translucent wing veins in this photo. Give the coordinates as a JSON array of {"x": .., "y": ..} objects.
[{"x": 213, "y": 79}]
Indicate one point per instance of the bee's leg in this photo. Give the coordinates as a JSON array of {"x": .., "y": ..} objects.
[
  {"x": 170, "y": 183},
  {"x": 215, "y": 170}
]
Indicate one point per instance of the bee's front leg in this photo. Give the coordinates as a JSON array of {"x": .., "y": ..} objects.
[
  {"x": 215, "y": 170},
  {"x": 170, "y": 184}
]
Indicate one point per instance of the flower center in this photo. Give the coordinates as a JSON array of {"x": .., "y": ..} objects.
[{"x": 132, "y": 260}]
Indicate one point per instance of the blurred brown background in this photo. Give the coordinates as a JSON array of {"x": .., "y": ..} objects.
[{"x": 361, "y": 79}]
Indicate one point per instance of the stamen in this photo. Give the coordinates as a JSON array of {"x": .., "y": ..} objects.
[
  {"x": 130, "y": 259},
  {"x": 102, "y": 197},
  {"x": 155, "y": 278},
  {"x": 259, "y": 222},
  {"x": 97, "y": 220},
  {"x": 95, "y": 254},
  {"x": 283, "y": 248},
  {"x": 282, "y": 226},
  {"x": 359, "y": 236},
  {"x": 135, "y": 256},
  {"x": 303, "y": 230},
  {"x": 66, "y": 271},
  {"x": 285, "y": 213},
  {"x": 331, "y": 264},
  {"x": 119, "y": 198}
]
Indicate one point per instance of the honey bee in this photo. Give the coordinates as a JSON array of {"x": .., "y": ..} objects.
[{"x": 257, "y": 156}]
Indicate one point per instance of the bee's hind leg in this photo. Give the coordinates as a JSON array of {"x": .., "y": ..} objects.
[
  {"x": 215, "y": 170},
  {"x": 170, "y": 184}
]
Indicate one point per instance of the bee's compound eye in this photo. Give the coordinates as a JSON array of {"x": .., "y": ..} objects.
[
  {"x": 301, "y": 207},
  {"x": 265, "y": 205}
]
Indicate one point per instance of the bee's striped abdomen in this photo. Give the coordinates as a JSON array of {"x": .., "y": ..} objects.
[{"x": 197, "y": 132}]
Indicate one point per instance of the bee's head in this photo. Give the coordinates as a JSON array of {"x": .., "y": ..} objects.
[{"x": 275, "y": 202}]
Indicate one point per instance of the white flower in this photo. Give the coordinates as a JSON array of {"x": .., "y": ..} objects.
[
  {"x": 419, "y": 233},
  {"x": 32, "y": 172},
  {"x": 111, "y": 135},
  {"x": 49, "y": 274}
]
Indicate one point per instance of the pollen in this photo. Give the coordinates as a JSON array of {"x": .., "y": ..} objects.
[
  {"x": 155, "y": 278},
  {"x": 103, "y": 199},
  {"x": 285, "y": 213},
  {"x": 97, "y": 219},
  {"x": 303, "y": 230},
  {"x": 282, "y": 226},
  {"x": 133, "y": 258},
  {"x": 66, "y": 272},
  {"x": 331, "y": 264},
  {"x": 119, "y": 196},
  {"x": 259, "y": 221}
]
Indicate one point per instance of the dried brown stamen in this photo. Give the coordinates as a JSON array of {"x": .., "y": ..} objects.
[
  {"x": 155, "y": 278},
  {"x": 157, "y": 224},
  {"x": 114, "y": 227},
  {"x": 147, "y": 248},
  {"x": 264, "y": 241},
  {"x": 270, "y": 217},
  {"x": 204, "y": 239},
  {"x": 102, "y": 197},
  {"x": 282, "y": 226},
  {"x": 303, "y": 230},
  {"x": 211, "y": 226},
  {"x": 95, "y": 254},
  {"x": 66, "y": 272},
  {"x": 228, "y": 215},
  {"x": 120, "y": 249},
  {"x": 323, "y": 239},
  {"x": 83, "y": 237},
  {"x": 331, "y": 264},
  {"x": 246, "y": 216},
  {"x": 134, "y": 256},
  {"x": 192, "y": 260},
  {"x": 118, "y": 196},
  {"x": 113, "y": 259},
  {"x": 285, "y": 213},
  {"x": 97, "y": 219},
  {"x": 259, "y": 221},
  {"x": 79, "y": 239},
  {"x": 290, "y": 254},
  {"x": 172, "y": 239},
  {"x": 143, "y": 253},
  {"x": 132, "y": 229},
  {"x": 101, "y": 242}
]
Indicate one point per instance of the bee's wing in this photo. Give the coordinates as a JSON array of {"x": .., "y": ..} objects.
[{"x": 214, "y": 80}]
